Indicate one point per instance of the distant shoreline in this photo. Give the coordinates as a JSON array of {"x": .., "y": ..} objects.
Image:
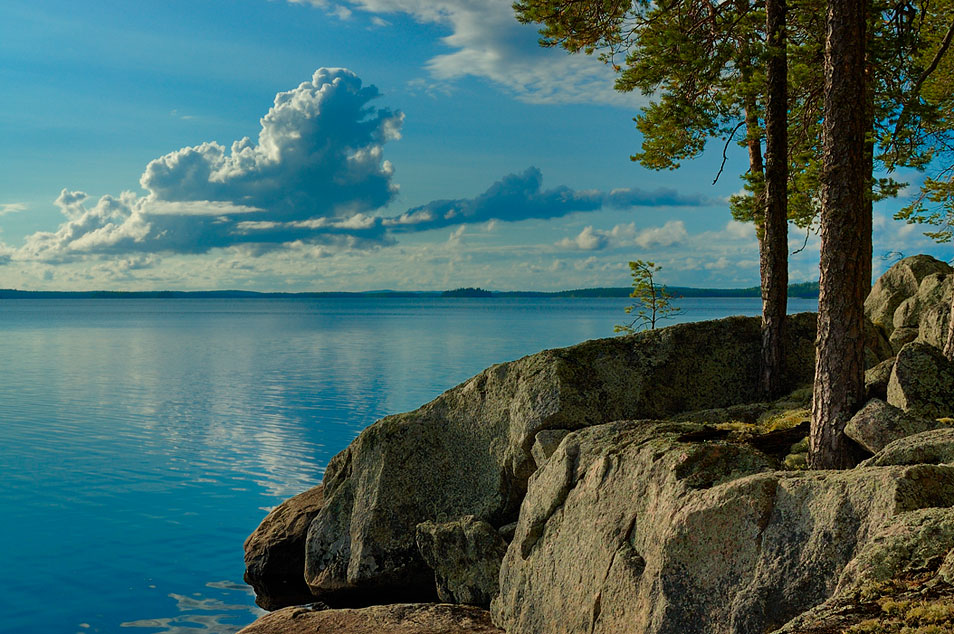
[{"x": 806, "y": 290}]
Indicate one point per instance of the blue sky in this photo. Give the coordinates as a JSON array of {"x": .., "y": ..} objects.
[{"x": 341, "y": 145}]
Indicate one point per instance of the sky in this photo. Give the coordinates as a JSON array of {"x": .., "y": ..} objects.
[{"x": 329, "y": 145}]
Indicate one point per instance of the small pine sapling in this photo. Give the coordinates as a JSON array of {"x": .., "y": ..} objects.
[{"x": 653, "y": 302}]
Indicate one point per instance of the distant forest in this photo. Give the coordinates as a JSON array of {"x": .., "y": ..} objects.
[{"x": 803, "y": 290}]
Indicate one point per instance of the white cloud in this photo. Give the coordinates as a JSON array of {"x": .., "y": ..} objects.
[
  {"x": 454, "y": 239},
  {"x": 740, "y": 230},
  {"x": 319, "y": 153},
  {"x": 587, "y": 240},
  {"x": 626, "y": 235},
  {"x": 487, "y": 41},
  {"x": 11, "y": 208},
  {"x": 314, "y": 172},
  {"x": 717, "y": 265},
  {"x": 672, "y": 233}
]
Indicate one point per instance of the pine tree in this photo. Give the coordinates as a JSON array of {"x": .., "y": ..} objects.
[{"x": 653, "y": 302}]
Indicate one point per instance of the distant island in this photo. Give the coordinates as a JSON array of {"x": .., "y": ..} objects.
[{"x": 806, "y": 290}]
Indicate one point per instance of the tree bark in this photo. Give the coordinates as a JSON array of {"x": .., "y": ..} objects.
[
  {"x": 949, "y": 344},
  {"x": 773, "y": 254},
  {"x": 756, "y": 166},
  {"x": 845, "y": 238}
]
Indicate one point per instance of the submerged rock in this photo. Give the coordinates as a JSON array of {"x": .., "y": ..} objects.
[
  {"x": 470, "y": 451},
  {"x": 275, "y": 552},
  {"x": 465, "y": 555},
  {"x": 421, "y": 618},
  {"x": 922, "y": 382},
  {"x": 626, "y": 529}
]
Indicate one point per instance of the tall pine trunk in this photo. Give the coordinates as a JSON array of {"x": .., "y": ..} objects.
[
  {"x": 949, "y": 344},
  {"x": 773, "y": 252},
  {"x": 845, "y": 238}
]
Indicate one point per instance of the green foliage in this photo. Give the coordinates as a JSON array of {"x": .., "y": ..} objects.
[
  {"x": 702, "y": 62},
  {"x": 929, "y": 100},
  {"x": 653, "y": 302},
  {"x": 933, "y": 206}
]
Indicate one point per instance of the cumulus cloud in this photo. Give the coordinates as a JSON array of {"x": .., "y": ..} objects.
[
  {"x": 487, "y": 41},
  {"x": 522, "y": 196},
  {"x": 672, "y": 233},
  {"x": 315, "y": 172},
  {"x": 314, "y": 178},
  {"x": 589, "y": 239},
  {"x": 512, "y": 198},
  {"x": 318, "y": 153},
  {"x": 740, "y": 230}
]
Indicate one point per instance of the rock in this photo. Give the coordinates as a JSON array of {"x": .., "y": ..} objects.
[
  {"x": 878, "y": 424},
  {"x": 546, "y": 443},
  {"x": 877, "y": 345},
  {"x": 747, "y": 413},
  {"x": 904, "y": 562},
  {"x": 876, "y": 379},
  {"x": 275, "y": 552},
  {"x": 625, "y": 529},
  {"x": 465, "y": 556},
  {"x": 469, "y": 452},
  {"x": 507, "y": 530},
  {"x": 901, "y": 337},
  {"x": 935, "y": 314},
  {"x": 929, "y": 447},
  {"x": 912, "y": 301},
  {"x": 779, "y": 442},
  {"x": 421, "y": 618},
  {"x": 922, "y": 382},
  {"x": 896, "y": 285},
  {"x": 914, "y": 541}
]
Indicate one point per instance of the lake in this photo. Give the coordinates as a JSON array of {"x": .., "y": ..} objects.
[{"x": 143, "y": 440}]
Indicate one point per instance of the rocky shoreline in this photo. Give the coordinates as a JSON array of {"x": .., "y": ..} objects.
[{"x": 636, "y": 484}]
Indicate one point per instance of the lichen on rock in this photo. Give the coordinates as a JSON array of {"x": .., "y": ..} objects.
[{"x": 470, "y": 451}]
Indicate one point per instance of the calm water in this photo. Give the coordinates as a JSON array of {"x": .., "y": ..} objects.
[{"x": 143, "y": 440}]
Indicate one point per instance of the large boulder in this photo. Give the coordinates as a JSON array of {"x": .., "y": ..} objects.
[
  {"x": 470, "y": 451},
  {"x": 465, "y": 555},
  {"x": 935, "y": 316},
  {"x": 877, "y": 378},
  {"x": 275, "y": 552},
  {"x": 929, "y": 447},
  {"x": 879, "y": 424},
  {"x": 628, "y": 529},
  {"x": 421, "y": 618},
  {"x": 901, "y": 284},
  {"x": 922, "y": 382},
  {"x": 897, "y": 581}
]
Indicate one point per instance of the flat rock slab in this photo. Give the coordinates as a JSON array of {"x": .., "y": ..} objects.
[{"x": 402, "y": 618}]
